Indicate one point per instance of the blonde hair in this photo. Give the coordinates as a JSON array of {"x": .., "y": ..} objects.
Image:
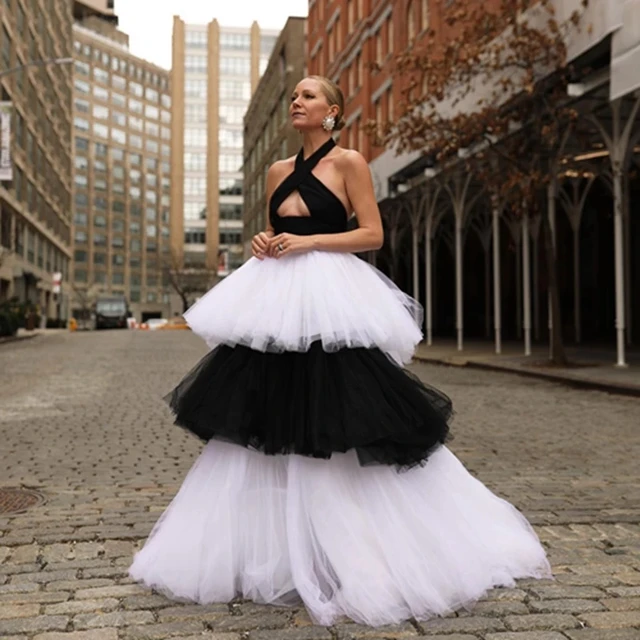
[{"x": 333, "y": 94}]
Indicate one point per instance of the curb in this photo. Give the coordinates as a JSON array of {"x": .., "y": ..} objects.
[
  {"x": 9, "y": 339},
  {"x": 580, "y": 383}
]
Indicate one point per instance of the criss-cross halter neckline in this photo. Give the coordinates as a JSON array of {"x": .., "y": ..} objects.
[{"x": 316, "y": 195}]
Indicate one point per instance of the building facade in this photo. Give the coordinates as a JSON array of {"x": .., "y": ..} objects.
[
  {"x": 353, "y": 42},
  {"x": 122, "y": 177},
  {"x": 35, "y": 193},
  {"x": 268, "y": 135},
  {"x": 215, "y": 71}
]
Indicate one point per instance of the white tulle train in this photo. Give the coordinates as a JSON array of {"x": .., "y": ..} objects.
[
  {"x": 287, "y": 304},
  {"x": 370, "y": 543}
]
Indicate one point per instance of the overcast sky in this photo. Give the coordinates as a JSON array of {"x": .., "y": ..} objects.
[{"x": 149, "y": 22}]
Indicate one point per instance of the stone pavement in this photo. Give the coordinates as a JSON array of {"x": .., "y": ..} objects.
[{"x": 82, "y": 422}]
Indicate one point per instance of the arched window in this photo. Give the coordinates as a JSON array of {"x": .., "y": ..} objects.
[
  {"x": 424, "y": 15},
  {"x": 411, "y": 21}
]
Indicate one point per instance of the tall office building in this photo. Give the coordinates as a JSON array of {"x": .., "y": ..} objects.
[
  {"x": 122, "y": 131},
  {"x": 35, "y": 180},
  {"x": 215, "y": 71}
]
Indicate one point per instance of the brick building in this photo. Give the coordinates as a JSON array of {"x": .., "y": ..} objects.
[{"x": 346, "y": 38}]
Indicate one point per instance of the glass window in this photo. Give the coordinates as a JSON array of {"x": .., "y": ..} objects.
[
  {"x": 81, "y": 105},
  {"x": 119, "y": 118},
  {"x": 165, "y": 116},
  {"x": 80, "y": 255},
  {"x": 100, "y": 112},
  {"x": 135, "y": 141},
  {"x": 81, "y": 124},
  {"x": 82, "y": 144},
  {"x": 234, "y": 66},
  {"x": 151, "y": 129},
  {"x": 80, "y": 180},
  {"x": 195, "y": 161},
  {"x": 117, "y": 277},
  {"x": 235, "y": 41},
  {"x": 151, "y": 164},
  {"x": 117, "y": 154},
  {"x": 100, "y": 75},
  {"x": 151, "y": 95},
  {"x": 235, "y": 90},
  {"x": 80, "y": 219},
  {"x": 165, "y": 100},
  {"x": 195, "y": 64},
  {"x": 135, "y": 106},
  {"x": 81, "y": 236},
  {"x": 99, "y": 258},
  {"x": 82, "y": 68},
  {"x": 81, "y": 86},
  {"x": 195, "y": 88},
  {"x": 81, "y": 162},
  {"x": 135, "y": 158},
  {"x": 195, "y": 137},
  {"x": 118, "y": 82},
  {"x": 136, "y": 123},
  {"x": 101, "y": 130},
  {"x": 230, "y": 138},
  {"x": 230, "y": 162},
  {"x": 136, "y": 89},
  {"x": 231, "y": 114},
  {"x": 119, "y": 136},
  {"x": 151, "y": 146},
  {"x": 151, "y": 112},
  {"x": 195, "y": 39},
  {"x": 100, "y": 93},
  {"x": 117, "y": 260},
  {"x": 80, "y": 275},
  {"x": 118, "y": 99}
]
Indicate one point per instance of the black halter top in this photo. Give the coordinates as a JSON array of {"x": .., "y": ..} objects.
[{"x": 328, "y": 214}]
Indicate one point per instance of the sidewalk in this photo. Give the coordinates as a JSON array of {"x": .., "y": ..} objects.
[
  {"x": 591, "y": 367},
  {"x": 23, "y": 334}
]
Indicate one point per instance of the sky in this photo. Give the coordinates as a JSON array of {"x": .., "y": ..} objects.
[{"x": 149, "y": 22}]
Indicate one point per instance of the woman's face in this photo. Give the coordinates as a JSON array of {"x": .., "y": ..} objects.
[{"x": 309, "y": 105}]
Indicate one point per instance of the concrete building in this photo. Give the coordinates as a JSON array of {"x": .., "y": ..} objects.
[
  {"x": 268, "y": 134},
  {"x": 121, "y": 149},
  {"x": 35, "y": 197},
  {"x": 215, "y": 71}
]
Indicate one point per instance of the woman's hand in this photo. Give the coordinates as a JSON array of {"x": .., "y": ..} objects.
[
  {"x": 260, "y": 245},
  {"x": 286, "y": 243}
]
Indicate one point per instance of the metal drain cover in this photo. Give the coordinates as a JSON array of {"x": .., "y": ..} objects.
[{"x": 15, "y": 500}]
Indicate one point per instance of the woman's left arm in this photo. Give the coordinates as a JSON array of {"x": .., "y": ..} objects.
[{"x": 369, "y": 234}]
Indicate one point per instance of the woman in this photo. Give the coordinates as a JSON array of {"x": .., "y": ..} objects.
[{"x": 324, "y": 477}]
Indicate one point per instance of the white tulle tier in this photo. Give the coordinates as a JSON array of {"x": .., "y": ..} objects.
[
  {"x": 287, "y": 304},
  {"x": 370, "y": 543}
]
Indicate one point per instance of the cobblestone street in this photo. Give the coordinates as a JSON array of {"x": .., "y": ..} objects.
[{"x": 82, "y": 422}]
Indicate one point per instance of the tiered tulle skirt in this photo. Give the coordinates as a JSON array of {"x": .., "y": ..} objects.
[{"x": 325, "y": 479}]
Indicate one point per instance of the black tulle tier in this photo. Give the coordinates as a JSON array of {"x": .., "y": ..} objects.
[{"x": 313, "y": 403}]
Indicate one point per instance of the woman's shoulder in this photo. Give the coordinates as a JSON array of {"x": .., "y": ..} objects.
[
  {"x": 280, "y": 166},
  {"x": 349, "y": 159}
]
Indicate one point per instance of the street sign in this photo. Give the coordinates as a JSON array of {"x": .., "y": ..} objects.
[{"x": 57, "y": 281}]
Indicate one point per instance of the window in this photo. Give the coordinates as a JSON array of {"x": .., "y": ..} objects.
[
  {"x": 118, "y": 99},
  {"x": 195, "y": 88},
  {"x": 136, "y": 89},
  {"x": 230, "y": 162},
  {"x": 230, "y": 237},
  {"x": 234, "y": 66},
  {"x": 81, "y": 68},
  {"x": 80, "y": 255},
  {"x": 117, "y": 260},
  {"x": 135, "y": 141},
  {"x": 135, "y": 105},
  {"x": 196, "y": 64},
  {"x": 231, "y": 114},
  {"x": 80, "y": 219},
  {"x": 81, "y": 124},
  {"x": 151, "y": 146},
  {"x": 136, "y": 123},
  {"x": 235, "y": 41},
  {"x": 117, "y": 278},
  {"x": 411, "y": 21},
  {"x": 81, "y": 237},
  {"x": 235, "y": 90},
  {"x": 99, "y": 258},
  {"x": 195, "y": 39},
  {"x": 151, "y": 95},
  {"x": 100, "y": 75},
  {"x": 195, "y": 186},
  {"x": 230, "y": 138},
  {"x": 195, "y": 211},
  {"x": 81, "y": 86},
  {"x": 151, "y": 164},
  {"x": 100, "y": 93},
  {"x": 118, "y": 82},
  {"x": 424, "y": 15},
  {"x": 230, "y": 211},
  {"x": 152, "y": 112},
  {"x": 195, "y": 161},
  {"x": 100, "y": 112},
  {"x": 119, "y": 118},
  {"x": 81, "y": 105},
  {"x": 194, "y": 236},
  {"x": 195, "y": 137},
  {"x": 101, "y": 130},
  {"x": 119, "y": 136}
]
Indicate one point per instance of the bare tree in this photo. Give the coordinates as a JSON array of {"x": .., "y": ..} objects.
[{"x": 188, "y": 281}]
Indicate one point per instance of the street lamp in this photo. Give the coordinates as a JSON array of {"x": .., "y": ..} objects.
[{"x": 36, "y": 63}]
